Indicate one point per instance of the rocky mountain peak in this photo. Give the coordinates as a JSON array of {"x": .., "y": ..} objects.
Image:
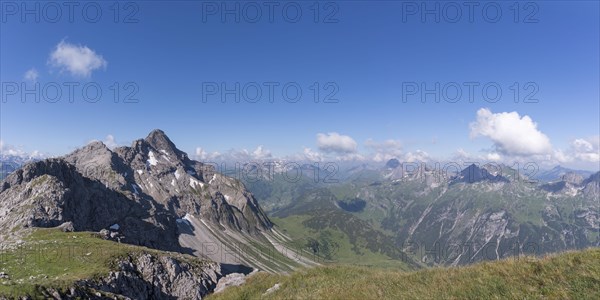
[
  {"x": 160, "y": 141},
  {"x": 149, "y": 184},
  {"x": 95, "y": 145},
  {"x": 572, "y": 177},
  {"x": 160, "y": 144},
  {"x": 474, "y": 173},
  {"x": 392, "y": 163},
  {"x": 92, "y": 149}
]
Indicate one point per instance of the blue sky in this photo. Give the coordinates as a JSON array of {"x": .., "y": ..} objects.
[{"x": 367, "y": 54}]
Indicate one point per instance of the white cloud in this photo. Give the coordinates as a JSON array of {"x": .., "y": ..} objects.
[
  {"x": 386, "y": 150},
  {"x": 482, "y": 157},
  {"x": 493, "y": 156},
  {"x": 311, "y": 155},
  {"x": 586, "y": 149},
  {"x": 79, "y": 61},
  {"x": 582, "y": 145},
  {"x": 31, "y": 75},
  {"x": 110, "y": 142},
  {"x": 561, "y": 156},
  {"x": 350, "y": 157},
  {"x": 234, "y": 155},
  {"x": 461, "y": 154},
  {"x": 511, "y": 133},
  {"x": 201, "y": 154},
  {"x": 10, "y": 150},
  {"x": 582, "y": 153},
  {"x": 417, "y": 156},
  {"x": 334, "y": 142},
  {"x": 261, "y": 153}
]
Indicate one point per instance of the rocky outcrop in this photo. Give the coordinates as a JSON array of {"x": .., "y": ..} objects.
[
  {"x": 146, "y": 276},
  {"x": 233, "y": 279},
  {"x": 51, "y": 192},
  {"x": 572, "y": 178}
]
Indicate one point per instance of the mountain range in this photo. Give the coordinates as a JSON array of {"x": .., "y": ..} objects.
[
  {"x": 439, "y": 218},
  {"x": 557, "y": 172},
  {"x": 176, "y": 226}
]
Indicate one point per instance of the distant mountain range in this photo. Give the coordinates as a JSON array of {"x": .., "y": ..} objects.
[
  {"x": 478, "y": 213},
  {"x": 10, "y": 163},
  {"x": 557, "y": 172}
]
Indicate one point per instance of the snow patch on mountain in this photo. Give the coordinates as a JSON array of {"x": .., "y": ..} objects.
[{"x": 152, "y": 160}]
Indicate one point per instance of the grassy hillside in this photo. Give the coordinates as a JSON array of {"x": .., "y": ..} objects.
[
  {"x": 570, "y": 275},
  {"x": 50, "y": 258}
]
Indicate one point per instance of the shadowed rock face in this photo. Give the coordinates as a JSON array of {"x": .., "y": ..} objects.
[
  {"x": 144, "y": 189},
  {"x": 51, "y": 192},
  {"x": 473, "y": 174},
  {"x": 591, "y": 186},
  {"x": 392, "y": 163}
]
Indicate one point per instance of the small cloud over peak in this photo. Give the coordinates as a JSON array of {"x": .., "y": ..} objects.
[
  {"x": 484, "y": 155},
  {"x": 202, "y": 155},
  {"x": 493, "y": 156},
  {"x": 311, "y": 155},
  {"x": 109, "y": 141},
  {"x": 261, "y": 153},
  {"x": 234, "y": 155},
  {"x": 386, "y": 150},
  {"x": 417, "y": 156}
]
